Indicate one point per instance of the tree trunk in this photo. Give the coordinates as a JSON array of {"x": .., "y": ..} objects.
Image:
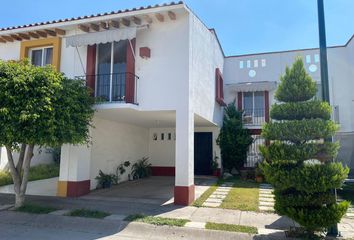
[{"x": 20, "y": 172}]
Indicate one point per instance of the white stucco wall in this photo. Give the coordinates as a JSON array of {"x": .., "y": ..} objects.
[
  {"x": 162, "y": 152},
  {"x": 10, "y": 50},
  {"x": 205, "y": 56},
  {"x": 113, "y": 143}
]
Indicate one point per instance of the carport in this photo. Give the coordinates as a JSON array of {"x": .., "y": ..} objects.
[{"x": 157, "y": 190}]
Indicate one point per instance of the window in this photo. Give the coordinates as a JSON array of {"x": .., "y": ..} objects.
[
  {"x": 317, "y": 58},
  {"x": 255, "y": 63},
  {"x": 254, "y": 107},
  {"x": 41, "y": 56},
  {"x": 111, "y": 70},
  {"x": 241, "y": 64},
  {"x": 308, "y": 58},
  {"x": 248, "y": 63},
  {"x": 263, "y": 62},
  {"x": 219, "y": 88}
]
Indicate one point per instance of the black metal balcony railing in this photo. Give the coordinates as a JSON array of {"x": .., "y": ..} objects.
[
  {"x": 114, "y": 87},
  {"x": 254, "y": 116}
]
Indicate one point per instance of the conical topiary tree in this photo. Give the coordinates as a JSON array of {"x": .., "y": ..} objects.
[{"x": 298, "y": 162}]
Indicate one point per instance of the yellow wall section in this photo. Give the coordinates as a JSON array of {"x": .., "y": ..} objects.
[
  {"x": 54, "y": 42},
  {"x": 62, "y": 188}
]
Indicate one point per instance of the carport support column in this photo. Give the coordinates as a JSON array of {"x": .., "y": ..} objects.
[
  {"x": 184, "y": 183},
  {"x": 74, "y": 177}
]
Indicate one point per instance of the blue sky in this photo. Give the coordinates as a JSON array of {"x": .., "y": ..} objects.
[{"x": 243, "y": 26}]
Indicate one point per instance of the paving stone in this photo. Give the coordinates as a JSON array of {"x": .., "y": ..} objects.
[
  {"x": 60, "y": 212},
  {"x": 266, "y": 204},
  {"x": 195, "y": 225},
  {"x": 224, "y": 188},
  {"x": 266, "y": 208},
  {"x": 117, "y": 217},
  {"x": 266, "y": 196},
  {"x": 262, "y": 185},
  {"x": 213, "y": 200},
  {"x": 217, "y": 196},
  {"x": 262, "y": 199},
  {"x": 350, "y": 215},
  {"x": 209, "y": 204},
  {"x": 266, "y": 191}
]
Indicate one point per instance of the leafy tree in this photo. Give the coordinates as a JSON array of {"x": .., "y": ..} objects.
[
  {"x": 298, "y": 160},
  {"x": 39, "y": 106},
  {"x": 234, "y": 140}
]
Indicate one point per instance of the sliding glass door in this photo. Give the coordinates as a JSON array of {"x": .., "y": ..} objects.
[{"x": 111, "y": 71}]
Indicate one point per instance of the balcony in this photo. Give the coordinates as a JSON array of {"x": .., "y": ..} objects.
[
  {"x": 254, "y": 117},
  {"x": 114, "y": 87}
]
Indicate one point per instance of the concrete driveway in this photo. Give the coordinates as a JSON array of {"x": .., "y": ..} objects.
[{"x": 152, "y": 190}]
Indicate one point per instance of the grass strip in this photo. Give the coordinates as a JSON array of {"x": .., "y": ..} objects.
[
  {"x": 231, "y": 228},
  {"x": 36, "y": 209},
  {"x": 199, "y": 202},
  {"x": 87, "y": 213},
  {"x": 156, "y": 220}
]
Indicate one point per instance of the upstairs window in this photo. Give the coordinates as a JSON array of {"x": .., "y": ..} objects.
[
  {"x": 219, "y": 82},
  {"x": 41, "y": 56},
  {"x": 254, "y": 107}
]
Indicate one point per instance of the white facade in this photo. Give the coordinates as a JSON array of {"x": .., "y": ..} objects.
[{"x": 175, "y": 94}]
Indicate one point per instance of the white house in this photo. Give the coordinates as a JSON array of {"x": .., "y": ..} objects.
[
  {"x": 161, "y": 74},
  {"x": 252, "y": 80}
]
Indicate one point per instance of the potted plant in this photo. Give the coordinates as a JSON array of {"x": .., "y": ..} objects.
[
  {"x": 215, "y": 167},
  {"x": 106, "y": 180},
  {"x": 259, "y": 174},
  {"x": 141, "y": 169}
]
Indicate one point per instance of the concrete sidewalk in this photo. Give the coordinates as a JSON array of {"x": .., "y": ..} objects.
[{"x": 265, "y": 222}]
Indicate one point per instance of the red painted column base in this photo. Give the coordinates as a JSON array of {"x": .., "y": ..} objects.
[
  {"x": 77, "y": 189},
  {"x": 184, "y": 195}
]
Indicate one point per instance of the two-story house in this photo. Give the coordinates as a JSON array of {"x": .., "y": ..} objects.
[
  {"x": 252, "y": 79},
  {"x": 157, "y": 72},
  {"x": 160, "y": 76}
]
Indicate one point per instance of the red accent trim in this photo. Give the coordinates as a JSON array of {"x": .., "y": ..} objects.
[
  {"x": 219, "y": 87},
  {"x": 77, "y": 189},
  {"x": 184, "y": 195},
  {"x": 91, "y": 68},
  {"x": 217, "y": 173},
  {"x": 266, "y": 107},
  {"x": 163, "y": 171},
  {"x": 256, "y": 131},
  {"x": 130, "y": 77},
  {"x": 239, "y": 101},
  {"x": 145, "y": 52}
]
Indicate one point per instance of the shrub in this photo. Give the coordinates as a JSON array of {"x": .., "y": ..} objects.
[
  {"x": 5, "y": 178},
  {"x": 298, "y": 161},
  {"x": 141, "y": 169},
  {"x": 233, "y": 139},
  {"x": 301, "y": 110}
]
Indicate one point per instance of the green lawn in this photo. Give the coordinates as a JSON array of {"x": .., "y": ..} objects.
[
  {"x": 37, "y": 209},
  {"x": 38, "y": 172},
  {"x": 156, "y": 220},
  {"x": 87, "y": 213},
  {"x": 231, "y": 228},
  {"x": 243, "y": 196}
]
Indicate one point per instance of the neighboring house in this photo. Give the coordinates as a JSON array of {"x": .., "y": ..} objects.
[
  {"x": 160, "y": 74},
  {"x": 252, "y": 79}
]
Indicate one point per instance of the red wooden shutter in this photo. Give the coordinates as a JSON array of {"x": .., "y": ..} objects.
[
  {"x": 130, "y": 75},
  {"x": 91, "y": 68},
  {"x": 219, "y": 88},
  {"x": 239, "y": 101},
  {"x": 266, "y": 105}
]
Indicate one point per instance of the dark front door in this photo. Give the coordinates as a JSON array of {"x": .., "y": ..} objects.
[{"x": 203, "y": 153}]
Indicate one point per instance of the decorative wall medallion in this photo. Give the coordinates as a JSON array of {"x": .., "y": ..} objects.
[{"x": 252, "y": 73}]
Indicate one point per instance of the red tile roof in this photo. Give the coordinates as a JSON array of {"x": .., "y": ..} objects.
[{"x": 92, "y": 16}]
